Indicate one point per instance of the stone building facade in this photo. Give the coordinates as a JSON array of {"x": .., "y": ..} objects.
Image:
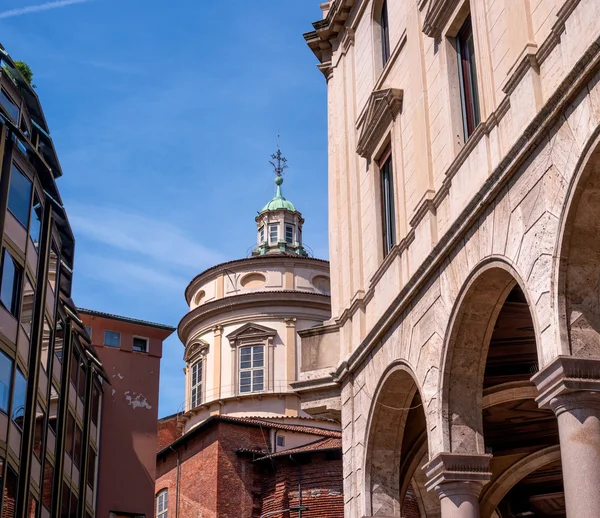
[{"x": 464, "y": 179}]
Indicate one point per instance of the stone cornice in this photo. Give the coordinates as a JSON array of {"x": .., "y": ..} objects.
[
  {"x": 567, "y": 375},
  {"x": 581, "y": 73},
  {"x": 437, "y": 16},
  {"x": 290, "y": 303},
  {"x": 382, "y": 108}
]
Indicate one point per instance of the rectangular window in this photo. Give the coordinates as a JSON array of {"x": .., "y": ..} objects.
[
  {"x": 36, "y": 221},
  {"x": 59, "y": 337},
  {"x": 289, "y": 234},
  {"x": 46, "y": 341},
  {"x": 48, "y": 484},
  {"x": 140, "y": 344},
  {"x": 26, "y": 317},
  {"x": 6, "y": 366},
  {"x": 19, "y": 196},
  {"x": 196, "y": 384},
  {"x": 40, "y": 427},
  {"x": 95, "y": 404},
  {"x": 112, "y": 338},
  {"x": 261, "y": 234},
  {"x": 9, "y": 105},
  {"x": 273, "y": 233},
  {"x": 385, "y": 34},
  {"x": 465, "y": 48},
  {"x": 387, "y": 203},
  {"x": 77, "y": 438},
  {"x": 162, "y": 504},
  {"x": 69, "y": 434},
  {"x": 53, "y": 267},
  {"x": 10, "y": 283},
  {"x": 18, "y": 402},
  {"x": 91, "y": 473},
  {"x": 281, "y": 441},
  {"x": 74, "y": 368},
  {"x": 252, "y": 368},
  {"x": 88, "y": 330},
  {"x": 10, "y": 494}
]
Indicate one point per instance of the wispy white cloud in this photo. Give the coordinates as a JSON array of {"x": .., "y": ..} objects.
[
  {"x": 19, "y": 11},
  {"x": 150, "y": 238}
]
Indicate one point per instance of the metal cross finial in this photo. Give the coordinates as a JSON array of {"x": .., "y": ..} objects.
[{"x": 279, "y": 162}]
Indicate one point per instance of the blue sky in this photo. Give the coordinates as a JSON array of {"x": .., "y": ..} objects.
[{"x": 164, "y": 115}]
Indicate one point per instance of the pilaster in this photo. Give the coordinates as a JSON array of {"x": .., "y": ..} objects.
[{"x": 217, "y": 355}]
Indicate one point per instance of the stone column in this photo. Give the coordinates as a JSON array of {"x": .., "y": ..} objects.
[
  {"x": 571, "y": 388},
  {"x": 457, "y": 478}
]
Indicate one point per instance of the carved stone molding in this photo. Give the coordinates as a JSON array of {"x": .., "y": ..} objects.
[
  {"x": 250, "y": 333},
  {"x": 195, "y": 350},
  {"x": 568, "y": 375},
  {"x": 437, "y": 16},
  {"x": 448, "y": 469},
  {"x": 382, "y": 108}
]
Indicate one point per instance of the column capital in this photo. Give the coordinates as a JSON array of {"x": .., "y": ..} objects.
[
  {"x": 451, "y": 474},
  {"x": 568, "y": 383}
]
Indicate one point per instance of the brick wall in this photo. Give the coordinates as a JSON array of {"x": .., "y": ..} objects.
[
  {"x": 167, "y": 432},
  {"x": 215, "y": 482},
  {"x": 410, "y": 504}
]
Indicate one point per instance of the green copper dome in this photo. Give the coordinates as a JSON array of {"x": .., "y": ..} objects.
[{"x": 279, "y": 202}]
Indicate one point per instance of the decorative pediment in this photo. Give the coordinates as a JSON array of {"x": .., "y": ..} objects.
[
  {"x": 438, "y": 14},
  {"x": 195, "y": 350},
  {"x": 381, "y": 111},
  {"x": 250, "y": 332}
]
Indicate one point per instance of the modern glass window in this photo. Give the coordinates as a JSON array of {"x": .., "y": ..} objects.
[
  {"x": 70, "y": 434},
  {"x": 261, "y": 234},
  {"x": 26, "y": 316},
  {"x": 10, "y": 283},
  {"x": 77, "y": 442},
  {"x": 35, "y": 226},
  {"x": 19, "y": 196},
  {"x": 387, "y": 204},
  {"x": 59, "y": 338},
  {"x": 289, "y": 234},
  {"x": 385, "y": 34},
  {"x": 9, "y": 105},
  {"x": 53, "y": 267},
  {"x": 140, "y": 345},
  {"x": 88, "y": 330},
  {"x": 196, "y": 384},
  {"x": 273, "y": 233},
  {"x": 6, "y": 366},
  {"x": 112, "y": 338},
  {"x": 48, "y": 482},
  {"x": 95, "y": 405},
  {"x": 467, "y": 75},
  {"x": 252, "y": 368},
  {"x": 46, "y": 341},
  {"x": 18, "y": 402},
  {"x": 91, "y": 472},
  {"x": 40, "y": 427},
  {"x": 162, "y": 504}
]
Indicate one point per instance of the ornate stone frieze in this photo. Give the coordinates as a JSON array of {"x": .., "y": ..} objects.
[{"x": 382, "y": 108}]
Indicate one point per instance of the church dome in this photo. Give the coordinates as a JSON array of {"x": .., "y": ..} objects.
[{"x": 279, "y": 202}]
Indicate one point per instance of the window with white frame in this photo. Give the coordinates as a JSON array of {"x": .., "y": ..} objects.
[
  {"x": 162, "y": 504},
  {"x": 289, "y": 234},
  {"x": 273, "y": 233},
  {"x": 196, "y": 384},
  {"x": 252, "y": 368},
  {"x": 261, "y": 234}
]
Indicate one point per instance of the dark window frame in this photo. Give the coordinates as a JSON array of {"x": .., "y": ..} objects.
[
  {"x": 17, "y": 289},
  {"x": 385, "y": 34},
  {"x": 16, "y": 169},
  {"x": 388, "y": 206},
  {"x": 11, "y": 101},
  {"x": 109, "y": 345},
  {"x": 467, "y": 76},
  {"x": 146, "y": 347}
]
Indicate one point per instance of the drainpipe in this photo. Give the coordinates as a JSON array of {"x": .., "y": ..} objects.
[{"x": 176, "y": 483}]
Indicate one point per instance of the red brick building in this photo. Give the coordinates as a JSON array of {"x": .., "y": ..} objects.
[{"x": 244, "y": 467}]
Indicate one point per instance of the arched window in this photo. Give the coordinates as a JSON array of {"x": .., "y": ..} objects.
[
  {"x": 196, "y": 384},
  {"x": 385, "y": 34},
  {"x": 162, "y": 504}
]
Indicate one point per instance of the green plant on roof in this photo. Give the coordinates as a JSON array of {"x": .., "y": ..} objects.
[{"x": 25, "y": 72}]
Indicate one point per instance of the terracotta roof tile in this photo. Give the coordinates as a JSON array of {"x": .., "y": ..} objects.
[{"x": 329, "y": 443}]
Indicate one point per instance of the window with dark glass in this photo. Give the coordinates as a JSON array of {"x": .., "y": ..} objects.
[
  {"x": 140, "y": 344},
  {"x": 9, "y": 105},
  {"x": 40, "y": 426},
  {"x": 59, "y": 338},
  {"x": 77, "y": 436},
  {"x": 91, "y": 472},
  {"x": 385, "y": 34},
  {"x": 35, "y": 226},
  {"x": 10, "y": 493},
  {"x": 10, "y": 283},
  {"x": 74, "y": 367},
  {"x": 70, "y": 434},
  {"x": 28, "y": 300},
  {"x": 281, "y": 441},
  {"x": 261, "y": 234},
  {"x": 196, "y": 384},
  {"x": 95, "y": 404},
  {"x": 6, "y": 367},
  {"x": 46, "y": 341},
  {"x": 53, "y": 267},
  {"x": 252, "y": 370},
  {"x": 289, "y": 234},
  {"x": 65, "y": 501},
  {"x": 18, "y": 402},
  {"x": 467, "y": 75},
  {"x": 81, "y": 380},
  {"x": 273, "y": 233},
  {"x": 19, "y": 196},
  {"x": 112, "y": 338},
  {"x": 388, "y": 215},
  {"x": 88, "y": 330}
]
